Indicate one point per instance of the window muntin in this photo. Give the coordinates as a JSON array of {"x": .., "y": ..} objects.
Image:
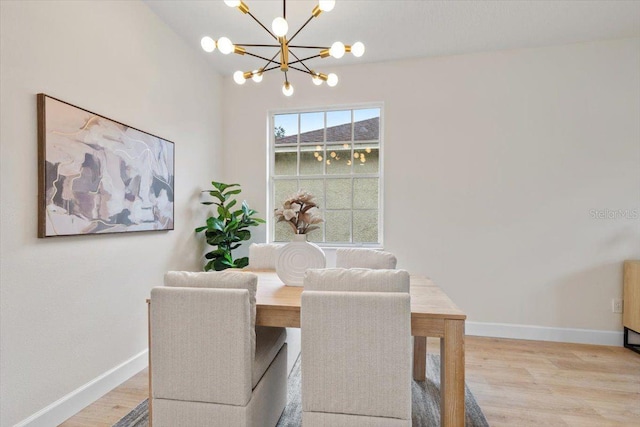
[{"x": 335, "y": 155}]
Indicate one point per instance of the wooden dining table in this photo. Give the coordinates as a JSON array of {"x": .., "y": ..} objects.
[{"x": 433, "y": 314}]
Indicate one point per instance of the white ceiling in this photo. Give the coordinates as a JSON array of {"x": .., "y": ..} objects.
[{"x": 400, "y": 29}]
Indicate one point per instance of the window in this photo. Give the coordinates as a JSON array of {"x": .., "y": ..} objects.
[{"x": 336, "y": 156}]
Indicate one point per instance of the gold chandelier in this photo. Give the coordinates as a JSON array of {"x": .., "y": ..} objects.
[{"x": 279, "y": 30}]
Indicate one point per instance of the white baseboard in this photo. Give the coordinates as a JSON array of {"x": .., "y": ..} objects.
[
  {"x": 78, "y": 399},
  {"x": 544, "y": 333}
]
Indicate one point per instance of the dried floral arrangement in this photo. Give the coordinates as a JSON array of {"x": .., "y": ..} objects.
[{"x": 298, "y": 210}]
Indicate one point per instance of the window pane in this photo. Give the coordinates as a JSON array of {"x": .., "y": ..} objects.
[
  {"x": 286, "y": 128},
  {"x": 285, "y": 161},
  {"x": 366, "y": 124},
  {"x": 339, "y": 193},
  {"x": 365, "y": 226},
  {"x": 339, "y": 125},
  {"x": 365, "y": 158},
  {"x": 339, "y": 157},
  {"x": 283, "y": 232},
  {"x": 365, "y": 193},
  {"x": 283, "y": 189},
  {"x": 316, "y": 235},
  {"x": 312, "y": 127},
  {"x": 338, "y": 226},
  {"x": 315, "y": 187},
  {"x": 311, "y": 160}
]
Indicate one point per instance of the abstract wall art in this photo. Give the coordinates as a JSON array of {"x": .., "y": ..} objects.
[{"x": 100, "y": 176}]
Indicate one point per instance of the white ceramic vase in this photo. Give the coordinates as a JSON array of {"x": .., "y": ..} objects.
[{"x": 294, "y": 258}]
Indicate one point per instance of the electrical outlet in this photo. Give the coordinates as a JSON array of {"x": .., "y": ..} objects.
[{"x": 616, "y": 305}]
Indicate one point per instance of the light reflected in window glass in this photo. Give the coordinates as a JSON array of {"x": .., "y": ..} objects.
[
  {"x": 366, "y": 124},
  {"x": 312, "y": 127},
  {"x": 285, "y": 128},
  {"x": 365, "y": 226},
  {"x": 312, "y": 160},
  {"x": 339, "y": 193},
  {"x": 286, "y": 161},
  {"x": 339, "y": 159},
  {"x": 338, "y": 226},
  {"x": 365, "y": 158},
  {"x": 339, "y": 125},
  {"x": 365, "y": 193}
]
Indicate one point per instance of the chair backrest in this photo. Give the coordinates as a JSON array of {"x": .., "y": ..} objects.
[
  {"x": 203, "y": 337},
  {"x": 356, "y": 280},
  {"x": 262, "y": 256},
  {"x": 356, "y": 344},
  {"x": 365, "y": 258}
]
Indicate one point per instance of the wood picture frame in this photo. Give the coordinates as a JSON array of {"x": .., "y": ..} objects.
[{"x": 97, "y": 175}]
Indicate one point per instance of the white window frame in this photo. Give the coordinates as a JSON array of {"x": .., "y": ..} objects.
[{"x": 271, "y": 203}]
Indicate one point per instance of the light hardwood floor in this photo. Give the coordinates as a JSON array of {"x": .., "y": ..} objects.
[{"x": 516, "y": 383}]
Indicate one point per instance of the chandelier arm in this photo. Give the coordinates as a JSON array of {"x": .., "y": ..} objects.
[
  {"x": 258, "y": 56},
  {"x": 304, "y": 59},
  {"x": 277, "y": 67},
  {"x": 257, "y": 45},
  {"x": 300, "y": 29},
  {"x": 308, "y": 47},
  {"x": 286, "y": 77},
  {"x": 262, "y": 25},
  {"x": 271, "y": 61},
  {"x": 301, "y": 70},
  {"x": 300, "y": 61}
]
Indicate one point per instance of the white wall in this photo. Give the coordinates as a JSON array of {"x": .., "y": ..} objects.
[
  {"x": 73, "y": 308},
  {"x": 493, "y": 163}
]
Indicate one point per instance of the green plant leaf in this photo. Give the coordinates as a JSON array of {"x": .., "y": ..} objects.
[
  {"x": 207, "y": 203},
  {"x": 231, "y": 193},
  {"x": 199, "y": 229},
  {"x": 244, "y": 234},
  {"x": 218, "y": 195},
  {"x": 242, "y": 262}
]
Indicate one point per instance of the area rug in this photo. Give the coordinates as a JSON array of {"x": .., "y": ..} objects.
[{"x": 425, "y": 402}]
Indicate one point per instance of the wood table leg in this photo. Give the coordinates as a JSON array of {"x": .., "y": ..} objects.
[
  {"x": 452, "y": 374},
  {"x": 419, "y": 358}
]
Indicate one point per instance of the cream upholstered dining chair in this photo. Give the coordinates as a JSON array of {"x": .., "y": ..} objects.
[
  {"x": 365, "y": 258},
  {"x": 210, "y": 364},
  {"x": 356, "y": 348},
  {"x": 262, "y": 256}
]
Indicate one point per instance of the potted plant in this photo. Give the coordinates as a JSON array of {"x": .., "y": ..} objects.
[{"x": 228, "y": 229}]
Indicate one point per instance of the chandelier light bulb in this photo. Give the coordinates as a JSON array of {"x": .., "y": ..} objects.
[
  {"x": 225, "y": 46},
  {"x": 232, "y": 3},
  {"x": 280, "y": 27},
  {"x": 208, "y": 44},
  {"x": 332, "y": 80},
  {"x": 287, "y": 89},
  {"x": 326, "y": 5},
  {"x": 316, "y": 80},
  {"x": 257, "y": 76},
  {"x": 238, "y": 77},
  {"x": 337, "y": 50},
  {"x": 357, "y": 49}
]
